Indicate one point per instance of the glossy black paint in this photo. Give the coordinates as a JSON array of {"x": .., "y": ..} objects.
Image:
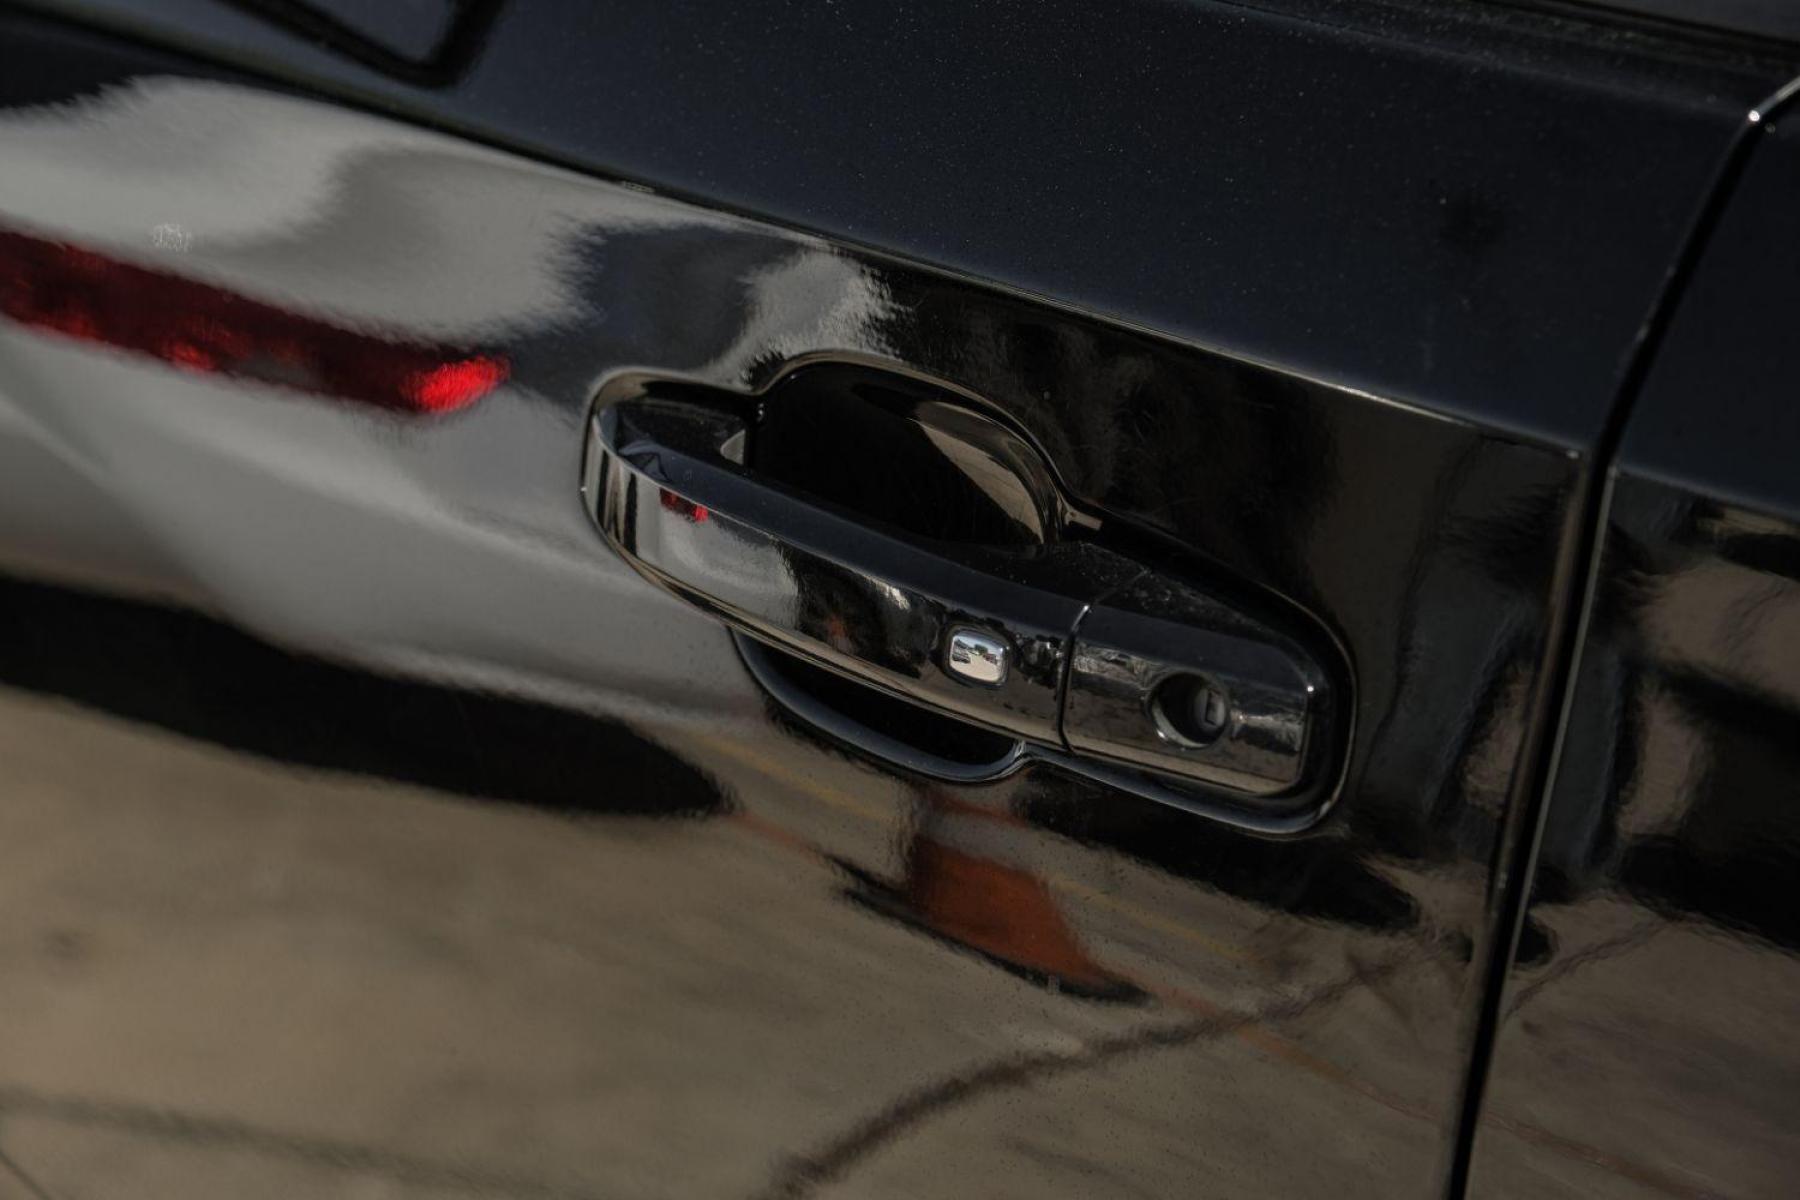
[
  {"x": 70, "y": 292},
  {"x": 813, "y": 972},
  {"x": 1652, "y": 1014},
  {"x": 1394, "y": 196}
]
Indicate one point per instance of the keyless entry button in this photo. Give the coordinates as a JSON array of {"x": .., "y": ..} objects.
[{"x": 976, "y": 657}]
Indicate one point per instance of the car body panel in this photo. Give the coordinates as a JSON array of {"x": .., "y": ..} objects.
[
  {"x": 1396, "y": 197},
  {"x": 372, "y": 825},
  {"x": 1655, "y": 1019}
]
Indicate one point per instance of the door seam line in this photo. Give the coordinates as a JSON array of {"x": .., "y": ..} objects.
[{"x": 1573, "y": 592}]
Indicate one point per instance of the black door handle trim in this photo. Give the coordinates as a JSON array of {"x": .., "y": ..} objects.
[{"x": 1081, "y": 655}]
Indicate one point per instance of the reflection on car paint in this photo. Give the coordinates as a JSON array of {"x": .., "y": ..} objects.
[
  {"x": 1651, "y": 1014},
  {"x": 457, "y": 986},
  {"x": 77, "y": 293}
]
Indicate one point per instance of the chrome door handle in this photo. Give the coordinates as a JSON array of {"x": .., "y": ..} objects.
[{"x": 1069, "y": 646}]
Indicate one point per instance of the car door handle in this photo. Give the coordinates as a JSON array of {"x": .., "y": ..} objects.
[
  {"x": 1067, "y": 645},
  {"x": 981, "y": 634}
]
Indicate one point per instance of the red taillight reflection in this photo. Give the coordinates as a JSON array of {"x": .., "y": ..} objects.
[
  {"x": 682, "y": 506},
  {"x": 454, "y": 384},
  {"x": 77, "y": 293}
]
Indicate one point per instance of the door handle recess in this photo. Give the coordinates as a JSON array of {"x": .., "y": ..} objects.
[{"x": 1069, "y": 646}]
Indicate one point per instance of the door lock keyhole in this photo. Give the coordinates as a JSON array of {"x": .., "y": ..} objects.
[{"x": 1191, "y": 709}]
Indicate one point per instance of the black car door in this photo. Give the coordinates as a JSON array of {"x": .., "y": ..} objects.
[
  {"x": 1651, "y": 1014},
  {"x": 754, "y": 600}
]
